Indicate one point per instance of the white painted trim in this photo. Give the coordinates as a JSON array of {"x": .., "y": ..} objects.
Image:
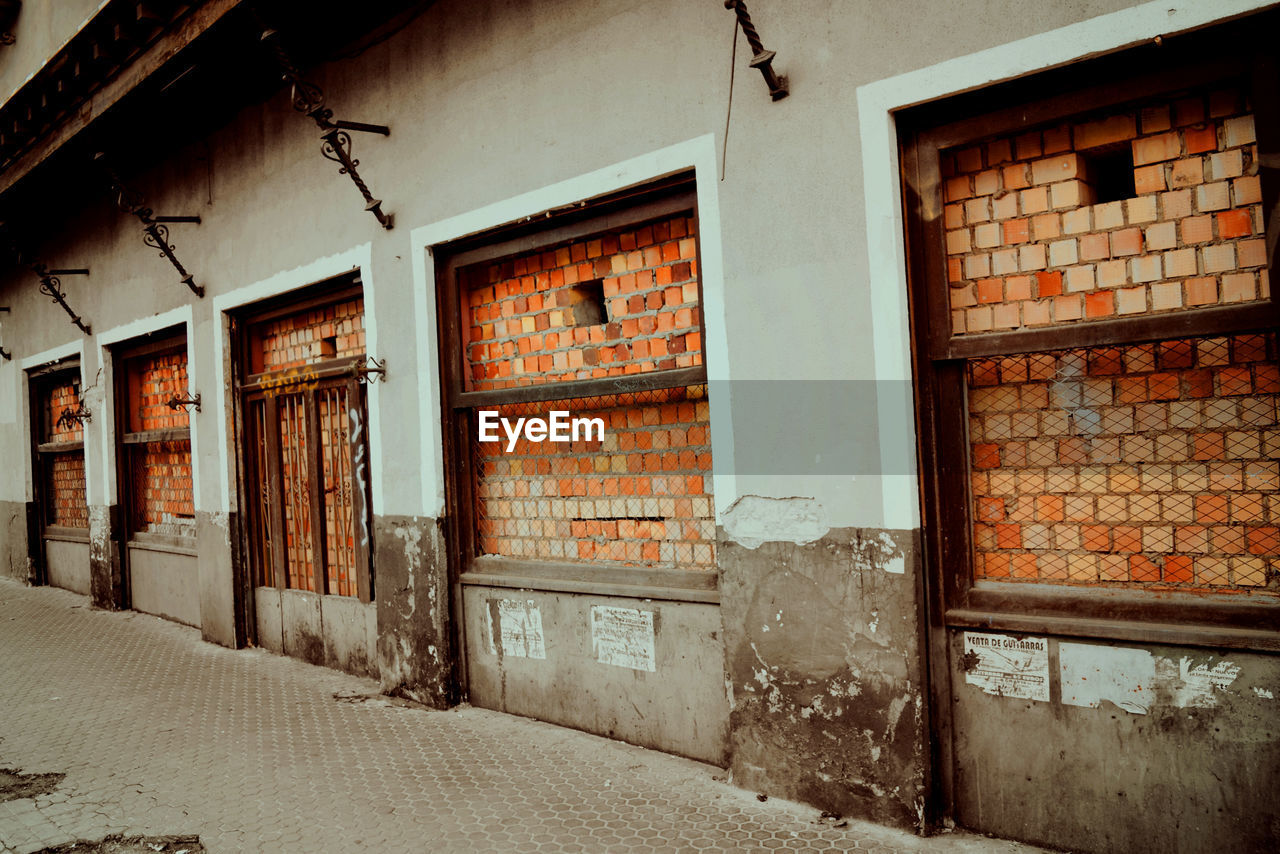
[
  {"x": 886, "y": 249},
  {"x": 359, "y": 258},
  {"x": 39, "y": 360},
  {"x": 54, "y": 354},
  {"x": 698, "y": 154},
  {"x": 181, "y": 316}
]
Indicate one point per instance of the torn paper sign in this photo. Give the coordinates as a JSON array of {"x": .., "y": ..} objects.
[
  {"x": 516, "y": 626},
  {"x": 1092, "y": 673},
  {"x": 623, "y": 637},
  {"x": 1007, "y": 666}
]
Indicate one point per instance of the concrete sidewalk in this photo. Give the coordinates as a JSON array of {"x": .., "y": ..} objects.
[{"x": 160, "y": 733}]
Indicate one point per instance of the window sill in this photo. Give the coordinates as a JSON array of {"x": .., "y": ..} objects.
[
  {"x": 673, "y": 585},
  {"x": 1233, "y": 621}
]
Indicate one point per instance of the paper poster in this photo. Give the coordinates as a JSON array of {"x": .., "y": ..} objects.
[
  {"x": 623, "y": 637},
  {"x": 1007, "y": 666},
  {"x": 517, "y": 626},
  {"x": 1092, "y": 673}
]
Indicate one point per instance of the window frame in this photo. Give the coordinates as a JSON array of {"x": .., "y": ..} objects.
[
  {"x": 40, "y": 382},
  {"x": 956, "y": 600},
  {"x": 266, "y": 386},
  {"x": 618, "y": 211},
  {"x": 124, "y": 359}
]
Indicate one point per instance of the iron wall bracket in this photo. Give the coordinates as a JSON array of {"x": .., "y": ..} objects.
[
  {"x": 370, "y": 370},
  {"x": 155, "y": 229},
  {"x": 51, "y": 286},
  {"x": 760, "y": 58},
  {"x": 335, "y": 143},
  {"x": 175, "y": 401},
  {"x": 79, "y": 415}
]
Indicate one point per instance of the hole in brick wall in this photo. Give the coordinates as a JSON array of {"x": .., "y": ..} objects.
[
  {"x": 328, "y": 347},
  {"x": 587, "y": 299},
  {"x": 1110, "y": 171}
]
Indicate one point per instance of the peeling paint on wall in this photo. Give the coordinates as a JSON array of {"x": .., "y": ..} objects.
[
  {"x": 827, "y": 705},
  {"x": 753, "y": 520},
  {"x": 1092, "y": 673},
  {"x": 1007, "y": 665},
  {"x": 1188, "y": 684},
  {"x": 513, "y": 627}
]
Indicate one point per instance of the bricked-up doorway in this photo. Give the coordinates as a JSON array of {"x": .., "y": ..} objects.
[
  {"x": 1097, "y": 383},
  {"x": 564, "y": 554},
  {"x": 155, "y": 491},
  {"x": 61, "y": 550},
  {"x": 304, "y": 453}
]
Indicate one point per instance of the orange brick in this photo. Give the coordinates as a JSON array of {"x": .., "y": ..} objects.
[
  {"x": 1142, "y": 568},
  {"x": 1154, "y": 149},
  {"x": 1127, "y": 241},
  {"x": 1016, "y": 231},
  {"x": 1096, "y": 538},
  {"x": 1149, "y": 179},
  {"x": 1202, "y": 139},
  {"x": 1264, "y": 540},
  {"x": 1202, "y": 291},
  {"x": 1178, "y": 569},
  {"x": 1099, "y": 304},
  {"x": 1235, "y": 223}
]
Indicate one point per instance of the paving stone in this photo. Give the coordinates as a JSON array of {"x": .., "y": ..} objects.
[{"x": 159, "y": 733}]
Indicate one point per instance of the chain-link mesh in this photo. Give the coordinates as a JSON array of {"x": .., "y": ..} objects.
[
  {"x": 1152, "y": 463},
  {"x": 632, "y": 487}
]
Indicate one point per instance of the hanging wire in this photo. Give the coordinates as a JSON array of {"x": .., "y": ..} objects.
[{"x": 733, "y": 62}]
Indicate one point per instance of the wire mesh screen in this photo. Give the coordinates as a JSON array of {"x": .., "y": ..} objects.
[
  {"x": 162, "y": 496},
  {"x": 64, "y": 480},
  {"x": 1136, "y": 465},
  {"x": 631, "y": 485}
]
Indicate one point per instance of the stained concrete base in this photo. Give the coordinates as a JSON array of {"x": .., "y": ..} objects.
[
  {"x": 67, "y": 565},
  {"x": 164, "y": 584},
  {"x": 680, "y": 707},
  {"x": 334, "y": 631}
]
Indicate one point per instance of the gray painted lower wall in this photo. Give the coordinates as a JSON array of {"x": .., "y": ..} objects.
[
  {"x": 216, "y": 564},
  {"x": 679, "y": 707},
  {"x": 15, "y": 561},
  {"x": 415, "y": 657},
  {"x": 1197, "y": 771},
  {"x": 822, "y": 642},
  {"x": 67, "y": 565},
  {"x": 333, "y": 631},
  {"x": 164, "y": 584}
]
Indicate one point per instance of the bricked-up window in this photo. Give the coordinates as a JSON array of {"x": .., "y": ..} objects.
[
  {"x": 155, "y": 438},
  {"x": 59, "y": 449},
  {"x": 306, "y": 455},
  {"x": 600, "y": 320},
  {"x": 1100, "y": 430}
]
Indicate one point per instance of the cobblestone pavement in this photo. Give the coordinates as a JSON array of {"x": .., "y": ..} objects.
[{"x": 159, "y": 733}]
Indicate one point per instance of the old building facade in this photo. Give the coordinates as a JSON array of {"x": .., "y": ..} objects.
[{"x": 935, "y": 370}]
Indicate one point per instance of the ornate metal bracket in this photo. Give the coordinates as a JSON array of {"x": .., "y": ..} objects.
[
  {"x": 79, "y": 415},
  {"x": 371, "y": 371},
  {"x": 51, "y": 286},
  {"x": 9, "y": 10},
  {"x": 155, "y": 231},
  {"x": 335, "y": 145},
  {"x": 760, "y": 58},
  {"x": 175, "y": 401}
]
